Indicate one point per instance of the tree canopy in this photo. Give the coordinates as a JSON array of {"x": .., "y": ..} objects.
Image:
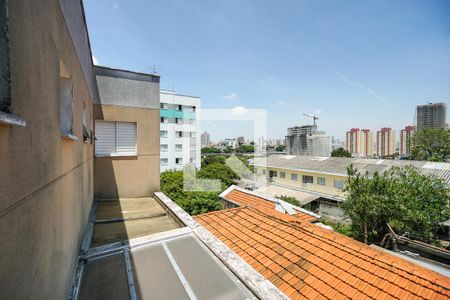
[
  {"x": 408, "y": 201},
  {"x": 430, "y": 144},
  {"x": 197, "y": 202},
  {"x": 340, "y": 152},
  {"x": 289, "y": 199}
]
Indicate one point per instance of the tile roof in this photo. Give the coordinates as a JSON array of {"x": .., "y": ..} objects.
[
  {"x": 306, "y": 261},
  {"x": 338, "y": 165},
  {"x": 248, "y": 198}
]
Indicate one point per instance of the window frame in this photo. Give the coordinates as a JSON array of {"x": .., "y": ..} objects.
[
  {"x": 306, "y": 177},
  {"x": 294, "y": 175},
  {"x": 338, "y": 186},
  {"x": 324, "y": 180},
  {"x": 116, "y": 154}
]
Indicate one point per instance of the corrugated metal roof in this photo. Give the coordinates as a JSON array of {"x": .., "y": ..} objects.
[{"x": 338, "y": 165}]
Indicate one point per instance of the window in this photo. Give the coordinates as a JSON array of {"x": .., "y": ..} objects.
[
  {"x": 179, "y": 107},
  {"x": 164, "y": 120},
  {"x": 178, "y": 161},
  {"x": 163, "y": 133},
  {"x": 66, "y": 103},
  {"x": 193, "y": 135},
  {"x": 339, "y": 184},
  {"x": 282, "y": 174},
  {"x": 5, "y": 87},
  {"x": 179, "y": 134},
  {"x": 86, "y": 133},
  {"x": 192, "y": 160},
  {"x": 294, "y": 177},
  {"x": 264, "y": 172},
  {"x": 273, "y": 173},
  {"x": 115, "y": 138},
  {"x": 307, "y": 179},
  {"x": 321, "y": 180},
  {"x": 164, "y": 161},
  {"x": 163, "y": 106},
  {"x": 178, "y": 147},
  {"x": 178, "y": 121},
  {"x": 164, "y": 147}
]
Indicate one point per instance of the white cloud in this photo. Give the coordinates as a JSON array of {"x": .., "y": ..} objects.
[
  {"x": 239, "y": 110},
  {"x": 232, "y": 96},
  {"x": 95, "y": 61}
]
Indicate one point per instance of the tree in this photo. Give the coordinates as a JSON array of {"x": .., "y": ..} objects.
[
  {"x": 206, "y": 150},
  {"x": 289, "y": 199},
  {"x": 430, "y": 144},
  {"x": 192, "y": 202},
  {"x": 401, "y": 197},
  {"x": 280, "y": 148},
  {"x": 218, "y": 171},
  {"x": 340, "y": 152},
  {"x": 245, "y": 149}
]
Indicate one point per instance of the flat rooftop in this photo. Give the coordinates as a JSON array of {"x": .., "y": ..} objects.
[{"x": 148, "y": 248}]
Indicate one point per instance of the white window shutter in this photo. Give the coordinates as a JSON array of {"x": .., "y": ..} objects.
[
  {"x": 105, "y": 133},
  {"x": 126, "y": 138}
]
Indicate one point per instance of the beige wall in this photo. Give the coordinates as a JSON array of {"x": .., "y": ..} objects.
[
  {"x": 136, "y": 176},
  {"x": 46, "y": 182},
  {"x": 328, "y": 188}
]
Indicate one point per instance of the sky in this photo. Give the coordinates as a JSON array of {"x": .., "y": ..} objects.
[{"x": 363, "y": 64}]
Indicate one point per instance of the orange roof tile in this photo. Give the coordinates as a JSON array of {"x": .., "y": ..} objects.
[
  {"x": 240, "y": 197},
  {"x": 315, "y": 262}
]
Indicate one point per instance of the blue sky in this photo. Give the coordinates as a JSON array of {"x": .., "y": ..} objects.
[{"x": 354, "y": 63}]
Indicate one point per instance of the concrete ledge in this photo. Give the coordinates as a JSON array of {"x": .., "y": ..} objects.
[{"x": 9, "y": 119}]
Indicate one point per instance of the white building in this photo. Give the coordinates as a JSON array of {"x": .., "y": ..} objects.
[{"x": 179, "y": 139}]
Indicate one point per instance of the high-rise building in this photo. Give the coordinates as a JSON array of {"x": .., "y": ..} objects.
[
  {"x": 385, "y": 142},
  {"x": 241, "y": 140},
  {"x": 366, "y": 143},
  {"x": 319, "y": 144},
  {"x": 405, "y": 136},
  {"x": 179, "y": 141},
  {"x": 353, "y": 141},
  {"x": 432, "y": 115},
  {"x": 306, "y": 140},
  {"x": 296, "y": 141},
  {"x": 205, "y": 139},
  {"x": 359, "y": 142}
]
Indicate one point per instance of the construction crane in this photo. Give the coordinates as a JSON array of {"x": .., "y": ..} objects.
[{"x": 312, "y": 117}]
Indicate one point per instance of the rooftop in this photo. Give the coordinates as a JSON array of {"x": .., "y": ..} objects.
[
  {"x": 149, "y": 248},
  {"x": 307, "y": 261},
  {"x": 243, "y": 197},
  {"x": 338, "y": 165}
]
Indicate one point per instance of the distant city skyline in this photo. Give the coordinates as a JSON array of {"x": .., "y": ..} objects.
[{"x": 354, "y": 64}]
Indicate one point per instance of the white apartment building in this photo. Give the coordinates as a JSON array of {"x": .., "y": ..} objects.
[
  {"x": 179, "y": 139},
  {"x": 385, "y": 142}
]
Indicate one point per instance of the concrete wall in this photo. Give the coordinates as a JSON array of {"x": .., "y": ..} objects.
[
  {"x": 46, "y": 182},
  {"x": 136, "y": 176}
]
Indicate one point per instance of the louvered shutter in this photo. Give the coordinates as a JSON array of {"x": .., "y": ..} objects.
[
  {"x": 105, "y": 133},
  {"x": 126, "y": 138}
]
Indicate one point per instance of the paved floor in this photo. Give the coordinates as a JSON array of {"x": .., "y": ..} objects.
[{"x": 127, "y": 218}]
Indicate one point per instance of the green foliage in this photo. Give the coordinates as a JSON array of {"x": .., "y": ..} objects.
[
  {"x": 340, "y": 152},
  {"x": 280, "y": 148},
  {"x": 210, "y": 150},
  {"x": 430, "y": 144},
  {"x": 245, "y": 149},
  {"x": 192, "y": 202},
  {"x": 218, "y": 171},
  {"x": 342, "y": 228},
  {"x": 289, "y": 199},
  {"x": 402, "y": 197}
]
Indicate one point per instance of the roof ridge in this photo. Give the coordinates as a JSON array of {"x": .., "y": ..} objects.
[{"x": 380, "y": 263}]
